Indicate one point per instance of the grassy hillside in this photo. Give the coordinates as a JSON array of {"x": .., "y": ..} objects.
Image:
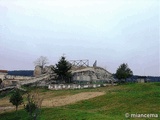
[{"x": 118, "y": 100}]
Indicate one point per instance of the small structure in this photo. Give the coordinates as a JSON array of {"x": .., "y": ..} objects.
[
  {"x": 79, "y": 63},
  {"x": 95, "y": 64},
  {"x": 38, "y": 71},
  {"x": 3, "y": 74},
  {"x": 142, "y": 79}
]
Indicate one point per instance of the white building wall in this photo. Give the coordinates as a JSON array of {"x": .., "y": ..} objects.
[{"x": 2, "y": 75}]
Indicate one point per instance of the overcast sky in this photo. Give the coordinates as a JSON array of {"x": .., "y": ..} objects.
[{"x": 109, "y": 31}]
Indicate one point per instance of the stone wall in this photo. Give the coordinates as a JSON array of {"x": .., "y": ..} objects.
[
  {"x": 13, "y": 77},
  {"x": 82, "y": 73},
  {"x": 37, "y": 71},
  {"x": 2, "y": 75},
  {"x": 34, "y": 80},
  {"x": 10, "y": 83},
  {"x": 74, "y": 86},
  {"x": 48, "y": 69},
  {"x": 91, "y": 74}
]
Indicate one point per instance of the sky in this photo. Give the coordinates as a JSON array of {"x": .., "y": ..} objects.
[{"x": 109, "y": 31}]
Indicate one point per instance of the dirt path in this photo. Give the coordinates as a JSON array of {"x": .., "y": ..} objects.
[
  {"x": 64, "y": 100},
  {"x": 8, "y": 108},
  {"x": 54, "y": 101}
]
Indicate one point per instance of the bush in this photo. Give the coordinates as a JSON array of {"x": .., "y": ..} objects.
[{"x": 16, "y": 98}]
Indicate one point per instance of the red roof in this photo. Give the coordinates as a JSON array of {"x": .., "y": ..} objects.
[{"x": 3, "y": 71}]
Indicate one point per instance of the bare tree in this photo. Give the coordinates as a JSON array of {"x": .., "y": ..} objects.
[
  {"x": 33, "y": 106},
  {"x": 41, "y": 61}
]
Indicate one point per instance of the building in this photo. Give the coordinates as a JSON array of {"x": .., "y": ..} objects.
[{"x": 3, "y": 74}]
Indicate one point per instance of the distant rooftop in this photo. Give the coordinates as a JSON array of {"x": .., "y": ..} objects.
[{"x": 3, "y": 71}]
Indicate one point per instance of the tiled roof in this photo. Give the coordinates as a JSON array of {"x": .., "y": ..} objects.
[{"x": 3, "y": 71}]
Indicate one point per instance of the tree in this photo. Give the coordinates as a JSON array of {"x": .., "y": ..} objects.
[
  {"x": 16, "y": 98},
  {"x": 1, "y": 83},
  {"x": 123, "y": 72},
  {"x": 41, "y": 61},
  {"x": 34, "y": 104},
  {"x": 62, "y": 69}
]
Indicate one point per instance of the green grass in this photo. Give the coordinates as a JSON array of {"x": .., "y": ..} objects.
[
  {"x": 118, "y": 100},
  {"x": 5, "y": 94},
  {"x": 8, "y": 93}
]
